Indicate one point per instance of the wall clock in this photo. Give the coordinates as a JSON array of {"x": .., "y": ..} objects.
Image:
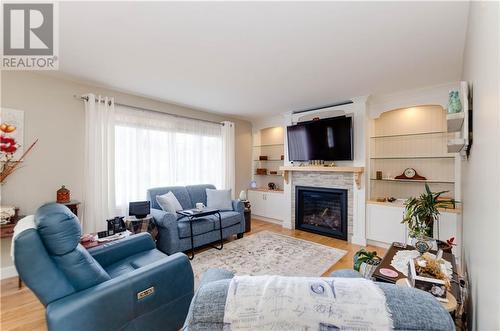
[{"x": 410, "y": 173}]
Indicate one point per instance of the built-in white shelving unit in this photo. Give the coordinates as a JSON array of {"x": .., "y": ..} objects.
[
  {"x": 416, "y": 138},
  {"x": 268, "y": 204},
  {"x": 268, "y": 142},
  {"x": 422, "y": 138}
]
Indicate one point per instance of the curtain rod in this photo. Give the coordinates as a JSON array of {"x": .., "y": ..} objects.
[{"x": 85, "y": 98}]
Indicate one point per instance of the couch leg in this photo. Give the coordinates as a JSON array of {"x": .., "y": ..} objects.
[{"x": 239, "y": 235}]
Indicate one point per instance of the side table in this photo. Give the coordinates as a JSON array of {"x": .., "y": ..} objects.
[
  {"x": 72, "y": 205},
  {"x": 7, "y": 231},
  {"x": 248, "y": 216},
  {"x": 386, "y": 264},
  {"x": 137, "y": 225}
]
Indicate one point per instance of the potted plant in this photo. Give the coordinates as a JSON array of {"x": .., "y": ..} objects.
[
  {"x": 420, "y": 214},
  {"x": 365, "y": 262}
]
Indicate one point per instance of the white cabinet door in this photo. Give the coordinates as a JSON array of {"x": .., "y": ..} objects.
[
  {"x": 275, "y": 205},
  {"x": 384, "y": 223},
  {"x": 257, "y": 201}
]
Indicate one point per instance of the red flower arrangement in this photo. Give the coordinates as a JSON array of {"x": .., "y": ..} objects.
[{"x": 8, "y": 147}]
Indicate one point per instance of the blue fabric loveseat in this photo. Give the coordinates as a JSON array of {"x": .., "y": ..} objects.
[
  {"x": 100, "y": 289},
  {"x": 174, "y": 232}
]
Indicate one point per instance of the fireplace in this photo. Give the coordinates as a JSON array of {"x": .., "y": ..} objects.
[{"x": 321, "y": 210}]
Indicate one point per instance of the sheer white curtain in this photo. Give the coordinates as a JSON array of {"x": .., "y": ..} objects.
[
  {"x": 154, "y": 149},
  {"x": 228, "y": 156},
  {"x": 98, "y": 195}
]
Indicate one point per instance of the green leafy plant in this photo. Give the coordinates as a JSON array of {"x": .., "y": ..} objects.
[
  {"x": 364, "y": 256},
  {"x": 421, "y": 212}
]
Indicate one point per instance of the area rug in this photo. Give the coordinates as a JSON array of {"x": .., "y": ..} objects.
[{"x": 268, "y": 253}]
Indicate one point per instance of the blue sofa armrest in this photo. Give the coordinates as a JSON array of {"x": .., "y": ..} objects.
[
  {"x": 238, "y": 206},
  {"x": 114, "y": 251},
  {"x": 115, "y": 305},
  {"x": 168, "y": 234},
  {"x": 164, "y": 219}
]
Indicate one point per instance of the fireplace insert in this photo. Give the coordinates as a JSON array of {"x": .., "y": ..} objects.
[{"x": 321, "y": 210}]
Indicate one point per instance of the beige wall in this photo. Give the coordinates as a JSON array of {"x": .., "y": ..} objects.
[
  {"x": 480, "y": 178},
  {"x": 56, "y": 118}
]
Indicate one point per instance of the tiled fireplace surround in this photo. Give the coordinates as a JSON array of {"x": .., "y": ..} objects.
[{"x": 326, "y": 180}]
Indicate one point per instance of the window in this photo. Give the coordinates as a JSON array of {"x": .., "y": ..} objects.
[{"x": 154, "y": 149}]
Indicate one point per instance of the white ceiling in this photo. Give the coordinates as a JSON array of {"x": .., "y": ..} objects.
[{"x": 262, "y": 58}]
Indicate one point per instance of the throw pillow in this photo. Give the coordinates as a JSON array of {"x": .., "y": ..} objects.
[
  {"x": 219, "y": 199},
  {"x": 169, "y": 203}
]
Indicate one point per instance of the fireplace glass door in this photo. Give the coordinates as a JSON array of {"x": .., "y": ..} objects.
[{"x": 321, "y": 210}]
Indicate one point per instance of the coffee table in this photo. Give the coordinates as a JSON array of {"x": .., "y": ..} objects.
[
  {"x": 386, "y": 263},
  {"x": 195, "y": 214}
]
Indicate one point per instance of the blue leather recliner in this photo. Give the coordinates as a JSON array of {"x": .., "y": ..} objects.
[{"x": 123, "y": 285}]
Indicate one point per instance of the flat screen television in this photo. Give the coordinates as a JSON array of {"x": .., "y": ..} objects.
[{"x": 328, "y": 139}]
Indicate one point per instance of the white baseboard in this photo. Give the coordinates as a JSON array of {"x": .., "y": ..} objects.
[
  {"x": 358, "y": 241},
  {"x": 378, "y": 244},
  {"x": 268, "y": 220},
  {"x": 8, "y": 272}
]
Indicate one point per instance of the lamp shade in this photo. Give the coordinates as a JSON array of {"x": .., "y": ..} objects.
[{"x": 243, "y": 195}]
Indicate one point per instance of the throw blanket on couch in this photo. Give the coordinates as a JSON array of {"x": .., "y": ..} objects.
[{"x": 301, "y": 303}]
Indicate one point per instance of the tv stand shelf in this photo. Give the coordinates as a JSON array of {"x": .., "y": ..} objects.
[{"x": 357, "y": 171}]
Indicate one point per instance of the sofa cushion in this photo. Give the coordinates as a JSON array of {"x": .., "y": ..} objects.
[
  {"x": 169, "y": 203},
  {"x": 219, "y": 199},
  {"x": 198, "y": 193},
  {"x": 133, "y": 262},
  {"x": 200, "y": 226},
  {"x": 180, "y": 193},
  {"x": 228, "y": 218}
]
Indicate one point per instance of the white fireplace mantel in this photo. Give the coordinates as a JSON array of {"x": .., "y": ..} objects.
[{"x": 357, "y": 171}]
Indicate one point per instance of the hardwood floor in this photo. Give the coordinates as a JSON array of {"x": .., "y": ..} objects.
[{"x": 21, "y": 310}]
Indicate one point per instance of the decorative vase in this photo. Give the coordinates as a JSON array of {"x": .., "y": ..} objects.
[
  {"x": 454, "y": 104},
  {"x": 63, "y": 195},
  {"x": 422, "y": 244},
  {"x": 366, "y": 262},
  {"x": 367, "y": 268}
]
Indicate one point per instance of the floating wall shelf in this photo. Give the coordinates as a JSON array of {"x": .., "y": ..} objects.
[
  {"x": 454, "y": 122},
  {"x": 413, "y": 157},
  {"x": 456, "y": 145},
  {"x": 269, "y": 145},
  {"x": 409, "y": 134},
  {"x": 430, "y": 181}
]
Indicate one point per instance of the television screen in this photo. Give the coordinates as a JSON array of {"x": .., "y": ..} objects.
[{"x": 328, "y": 139}]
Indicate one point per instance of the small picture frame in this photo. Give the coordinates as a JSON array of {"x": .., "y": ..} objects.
[{"x": 436, "y": 287}]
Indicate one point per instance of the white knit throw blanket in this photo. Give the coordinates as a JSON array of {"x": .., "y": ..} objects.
[{"x": 305, "y": 303}]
